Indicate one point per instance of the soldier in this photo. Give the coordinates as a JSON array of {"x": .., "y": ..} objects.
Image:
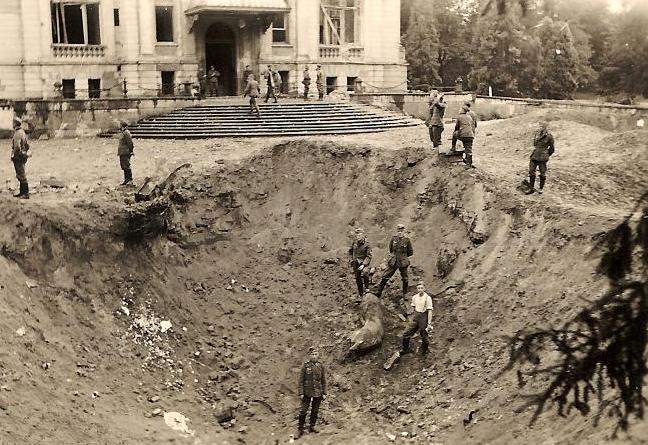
[
  {"x": 400, "y": 248},
  {"x": 212, "y": 77},
  {"x": 312, "y": 390},
  {"x": 473, "y": 116},
  {"x": 253, "y": 90},
  {"x": 19, "y": 156},
  {"x": 437, "y": 110},
  {"x": 277, "y": 82},
  {"x": 543, "y": 148},
  {"x": 246, "y": 75},
  {"x": 320, "y": 82},
  {"x": 421, "y": 321},
  {"x": 125, "y": 151},
  {"x": 306, "y": 82},
  {"x": 202, "y": 84},
  {"x": 465, "y": 131},
  {"x": 360, "y": 258},
  {"x": 269, "y": 75}
]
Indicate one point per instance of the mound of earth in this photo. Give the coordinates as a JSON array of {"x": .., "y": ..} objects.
[{"x": 195, "y": 333}]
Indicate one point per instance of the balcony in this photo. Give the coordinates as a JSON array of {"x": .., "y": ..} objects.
[
  {"x": 341, "y": 52},
  {"x": 78, "y": 51}
]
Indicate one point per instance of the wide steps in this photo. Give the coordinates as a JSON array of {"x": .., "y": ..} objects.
[{"x": 283, "y": 119}]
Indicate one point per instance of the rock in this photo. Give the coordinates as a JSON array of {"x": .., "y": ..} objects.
[
  {"x": 224, "y": 414},
  {"x": 391, "y": 437},
  {"x": 3, "y": 405},
  {"x": 20, "y": 332},
  {"x": 154, "y": 399},
  {"x": 53, "y": 183},
  {"x": 165, "y": 325},
  {"x": 156, "y": 412},
  {"x": 403, "y": 409},
  {"x": 31, "y": 284},
  {"x": 372, "y": 331},
  {"x": 332, "y": 260},
  {"x": 446, "y": 260}
]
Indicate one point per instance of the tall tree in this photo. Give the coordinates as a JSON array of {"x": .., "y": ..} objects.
[
  {"x": 422, "y": 45},
  {"x": 453, "y": 20}
]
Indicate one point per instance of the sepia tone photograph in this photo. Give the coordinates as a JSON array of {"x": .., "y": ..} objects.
[{"x": 323, "y": 222}]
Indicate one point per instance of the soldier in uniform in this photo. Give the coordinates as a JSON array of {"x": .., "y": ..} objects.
[
  {"x": 19, "y": 156},
  {"x": 125, "y": 151},
  {"x": 306, "y": 81},
  {"x": 212, "y": 77},
  {"x": 543, "y": 148},
  {"x": 320, "y": 82},
  {"x": 437, "y": 110},
  {"x": 473, "y": 116},
  {"x": 246, "y": 75},
  {"x": 465, "y": 131},
  {"x": 400, "y": 249},
  {"x": 269, "y": 75},
  {"x": 253, "y": 90},
  {"x": 312, "y": 390},
  {"x": 360, "y": 258},
  {"x": 421, "y": 321}
]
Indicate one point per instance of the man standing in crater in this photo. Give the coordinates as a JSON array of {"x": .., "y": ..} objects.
[
  {"x": 400, "y": 249},
  {"x": 312, "y": 390},
  {"x": 543, "y": 148},
  {"x": 360, "y": 258},
  {"x": 19, "y": 156}
]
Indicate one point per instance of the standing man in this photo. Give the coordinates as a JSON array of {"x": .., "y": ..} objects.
[
  {"x": 277, "y": 82},
  {"x": 437, "y": 111},
  {"x": 246, "y": 75},
  {"x": 306, "y": 81},
  {"x": 312, "y": 390},
  {"x": 421, "y": 321},
  {"x": 202, "y": 84},
  {"x": 269, "y": 75},
  {"x": 473, "y": 116},
  {"x": 19, "y": 156},
  {"x": 212, "y": 77},
  {"x": 253, "y": 90},
  {"x": 543, "y": 148},
  {"x": 400, "y": 248},
  {"x": 125, "y": 151},
  {"x": 465, "y": 132},
  {"x": 360, "y": 258},
  {"x": 320, "y": 82}
]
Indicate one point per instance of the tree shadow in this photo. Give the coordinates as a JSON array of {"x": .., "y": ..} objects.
[{"x": 596, "y": 360}]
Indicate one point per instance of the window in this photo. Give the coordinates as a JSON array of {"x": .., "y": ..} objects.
[
  {"x": 168, "y": 83},
  {"x": 351, "y": 83},
  {"x": 75, "y": 23},
  {"x": 285, "y": 76},
  {"x": 279, "y": 29},
  {"x": 69, "y": 90},
  {"x": 116, "y": 16},
  {"x": 164, "y": 23},
  {"x": 331, "y": 84},
  {"x": 339, "y": 22},
  {"x": 94, "y": 88}
]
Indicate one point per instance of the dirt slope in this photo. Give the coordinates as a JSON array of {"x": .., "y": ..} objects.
[{"x": 253, "y": 271}]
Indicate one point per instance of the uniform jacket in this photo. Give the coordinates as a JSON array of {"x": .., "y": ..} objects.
[
  {"x": 125, "y": 147},
  {"x": 276, "y": 79},
  {"x": 543, "y": 146},
  {"x": 213, "y": 75},
  {"x": 269, "y": 78},
  {"x": 473, "y": 116},
  {"x": 360, "y": 251},
  {"x": 437, "y": 110},
  {"x": 465, "y": 126},
  {"x": 312, "y": 380},
  {"x": 19, "y": 145},
  {"x": 401, "y": 249},
  {"x": 252, "y": 89},
  {"x": 307, "y": 79},
  {"x": 320, "y": 77},
  {"x": 246, "y": 74}
]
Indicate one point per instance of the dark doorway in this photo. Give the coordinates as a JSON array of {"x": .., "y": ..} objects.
[
  {"x": 168, "y": 83},
  {"x": 285, "y": 85},
  {"x": 94, "y": 88},
  {"x": 220, "y": 51},
  {"x": 331, "y": 84},
  {"x": 69, "y": 89}
]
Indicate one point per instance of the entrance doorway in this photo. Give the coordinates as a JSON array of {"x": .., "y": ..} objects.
[{"x": 220, "y": 52}]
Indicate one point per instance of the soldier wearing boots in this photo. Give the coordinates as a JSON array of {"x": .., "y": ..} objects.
[
  {"x": 19, "y": 156},
  {"x": 125, "y": 151},
  {"x": 320, "y": 82},
  {"x": 421, "y": 321},
  {"x": 465, "y": 131},
  {"x": 437, "y": 110},
  {"x": 306, "y": 81},
  {"x": 473, "y": 115},
  {"x": 360, "y": 258},
  {"x": 543, "y": 148},
  {"x": 312, "y": 390},
  {"x": 400, "y": 249}
]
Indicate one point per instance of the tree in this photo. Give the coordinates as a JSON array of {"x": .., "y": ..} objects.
[
  {"x": 453, "y": 20},
  {"x": 422, "y": 45}
]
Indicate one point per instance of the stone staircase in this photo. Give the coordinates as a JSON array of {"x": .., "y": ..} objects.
[{"x": 282, "y": 119}]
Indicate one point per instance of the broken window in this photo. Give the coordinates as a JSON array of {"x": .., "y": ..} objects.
[
  {"x": 94, "y": 88},
  {"x": 279, "y": 29},
  {"x": 164, "y": 23},
  {"x": 339, "y": 20},
  {"x": 69, "y": 89},
  {"x": 75, "y": 22},
  {"x": 116, "y": 16}
]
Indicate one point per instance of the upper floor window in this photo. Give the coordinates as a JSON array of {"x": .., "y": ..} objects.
[
  {"x": 164, "y": 23},
  {"x": 280, "y": 29},
  {"x": 75, "y": 22},
  {"x": 339, "y": 22}
]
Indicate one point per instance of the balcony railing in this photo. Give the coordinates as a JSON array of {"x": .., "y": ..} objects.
[
  {"x": 343, "y": 52},
  {"x": 76, "y": 51}
]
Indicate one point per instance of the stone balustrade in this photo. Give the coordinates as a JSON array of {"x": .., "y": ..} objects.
[
  {"x": 78, "y": 51},
  {"x": 337, "y": 52}
]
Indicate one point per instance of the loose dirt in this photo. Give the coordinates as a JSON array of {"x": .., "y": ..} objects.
[{"x": 111, "y": 337}]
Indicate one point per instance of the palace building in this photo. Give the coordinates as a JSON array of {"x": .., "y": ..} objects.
[{"x": 97, "y": 48}]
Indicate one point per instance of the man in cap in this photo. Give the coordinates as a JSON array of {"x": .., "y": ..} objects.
[
  {"x": 543, "y": 148},
  {"x": 437, "y": 110},
  {"x": 473, "y": 116},
  {"x": 270, "y": 82},
  {"x": 312, "y": 390},
  {"x": 465, "y": 131},
  {"x": 19, "y": 156},
  {"x": 320, "y": 82},
  {"x": 125, "y": 151},
  {"x": 421, "y": 320},
  {"x": 360, "y": 258},
  {"x": 253, "y": 90},
  {"x": 306, "y": 81},
  {"x": 400, "y": 249}
]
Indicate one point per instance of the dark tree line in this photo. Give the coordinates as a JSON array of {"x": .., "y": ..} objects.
[{"x": 536, "y": 48}]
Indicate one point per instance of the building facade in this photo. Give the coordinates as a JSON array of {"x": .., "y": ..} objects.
[{"x": 99, "y": 48}]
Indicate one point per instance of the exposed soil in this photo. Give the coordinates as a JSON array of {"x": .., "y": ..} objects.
[{"x": 249, "y": 267}]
